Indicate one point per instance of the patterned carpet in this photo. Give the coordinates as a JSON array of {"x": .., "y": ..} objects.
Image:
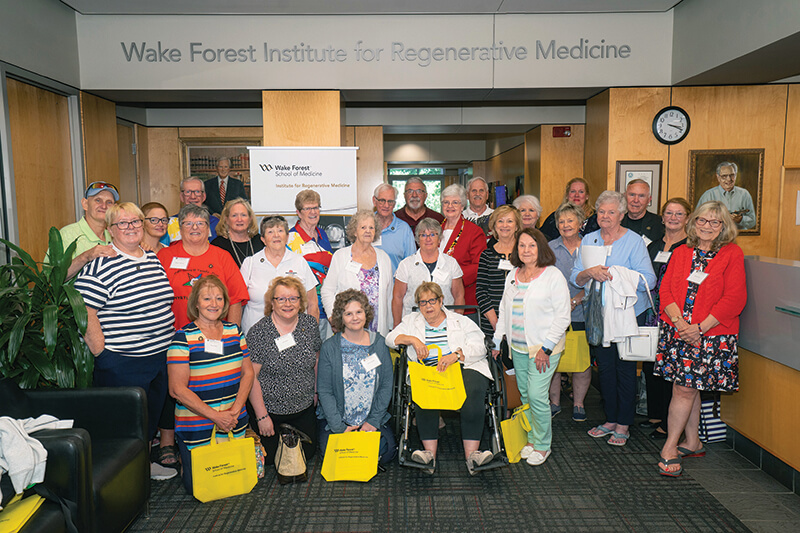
[{"x": 586, "y": 485}]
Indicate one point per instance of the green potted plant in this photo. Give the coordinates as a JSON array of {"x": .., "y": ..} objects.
[{"x": 42, "y": 321}]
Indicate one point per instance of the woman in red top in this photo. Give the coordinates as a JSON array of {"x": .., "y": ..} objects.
[
  {"x": 461, "y": 239},
  {"x": 702, "y": 294}
]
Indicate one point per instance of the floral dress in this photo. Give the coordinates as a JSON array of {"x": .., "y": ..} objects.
[
  {"x": 714, "y": 365},
  {"x": 368, "y": 281}
]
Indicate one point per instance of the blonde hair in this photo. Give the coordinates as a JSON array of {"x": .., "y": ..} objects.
[
  {"x": 222, "y": 225},
  {"x": 290, "y": 282},
  {"x": 502, "y": 211},
  {"x": 192, "y": 311},
  {"x": 128, "y": 207},
  {"x": 726, "y": 235}
]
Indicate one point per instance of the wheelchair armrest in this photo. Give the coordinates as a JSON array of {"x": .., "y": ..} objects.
[{"x": 111, "y": 412}]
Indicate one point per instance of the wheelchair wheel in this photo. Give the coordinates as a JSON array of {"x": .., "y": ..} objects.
[{"x": 399, "y": 392}]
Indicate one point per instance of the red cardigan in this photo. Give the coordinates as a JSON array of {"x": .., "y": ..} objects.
[
  {"x": 722, "y": 294},
  {"x": 467, "y": 252}
]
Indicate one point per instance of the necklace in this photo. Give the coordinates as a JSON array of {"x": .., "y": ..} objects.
[{"x": 236, "y": 250}]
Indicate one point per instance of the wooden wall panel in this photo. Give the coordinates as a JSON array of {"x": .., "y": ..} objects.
[
  {"x": 764, "y": 410},
  {"x": 506, "y": 167},
  {"x": 533, "y": 161},
  {"x": 142, "y": 136},
  {"x": 789, "y": 231},
  {"x": 630, "y": 123},
  {"x": 736, "y": 117},
  {"x": 561, "y": 160},
  {"x": 595, "y": 156},
  {"x": 40, "y": 148},
  {"x": 99, "y": 127},
  {"x": 128, "y": 182},
  {"x": 301, "y": 118},
  {"x": 791, "y": 158},
  {"x": 481, "y": 168},
  {"x": 164, "y": 167},
  {"x": 369, "y": 160}
]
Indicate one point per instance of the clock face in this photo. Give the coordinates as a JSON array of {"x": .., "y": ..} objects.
[{"x": 671, "y": 125}]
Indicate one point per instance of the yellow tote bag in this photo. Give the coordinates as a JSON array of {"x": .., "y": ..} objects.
[
  {"x": 515, "y": 433},
  {"x": 17, "y": 514},
  {"x": 223, "y": 469},
  {"x": 431, "y": 389},
  {"x": 576, "y": 353},
  {"x": 351, "y": 456}
]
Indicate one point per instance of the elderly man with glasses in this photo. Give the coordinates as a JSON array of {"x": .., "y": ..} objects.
[
  {"x": 736, "y": 199},
  {"x": 193, "y": 192},
  {"x": 415, "y": 208},
  {"x": 396, "y": 238}
]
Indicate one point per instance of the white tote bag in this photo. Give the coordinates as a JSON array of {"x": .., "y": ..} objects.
[{"x": 641, "y": 347}]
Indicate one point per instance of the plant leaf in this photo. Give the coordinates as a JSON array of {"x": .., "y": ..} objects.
[
  {"x": 78, "y": 307},
  {"x": 17, "y": 334},
  {"x": 22, "y": 254},
  {"x": 43, "y": 364},
  {"x": 50, "y": 327}
]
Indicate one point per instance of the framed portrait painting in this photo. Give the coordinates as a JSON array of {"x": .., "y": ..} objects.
[
  {"x": 733, "y": 177},
  {"x": 647, "y": 171}
]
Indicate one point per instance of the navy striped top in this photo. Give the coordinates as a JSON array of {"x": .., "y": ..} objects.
[{"x": 133, "y": 300}]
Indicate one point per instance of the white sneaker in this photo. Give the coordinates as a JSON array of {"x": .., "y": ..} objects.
[
  {"x": 526, "y": 452},
  {"x": 422, "y": 457},
  {"x": 537, "y": 458},
  {"x": 161, "y": 473}
]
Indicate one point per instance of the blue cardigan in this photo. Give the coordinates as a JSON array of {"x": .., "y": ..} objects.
[{"x": 330, "y": 383}]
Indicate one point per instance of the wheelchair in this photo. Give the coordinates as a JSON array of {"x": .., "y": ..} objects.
[{"x": 402, "y": 410}]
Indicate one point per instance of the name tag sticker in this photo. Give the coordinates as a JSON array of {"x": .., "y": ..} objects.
[
  {"x": 353, "y": 267},
  {"x": 213, "y": 346},
  {"x": 285, "y": 341},
  {"x": 663, "y": 257},
  {"x": 697, "y": 277},
  {"x": 309, "y": 247},
  {"x": 179, "y": 263},
  {"x": 371, "y": 362},
  {"x": 505, "y": 264},
  {"x": 646, "y": 240}
]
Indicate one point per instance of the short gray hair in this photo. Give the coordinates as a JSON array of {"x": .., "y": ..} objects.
[
  {"x": 195, "y": 211},
  {"x": 427, "y": 224},
  {"x": 415, "y": 179},
  {"x": 477, "y": 178},
  {"x": 529, "y": 199},
  {"x": 384, "y": 187},
  {"x": 271, "y": 222},
  {"x": 607, "y": 197},
  {"x": 352, "y": 225},
  {"x": 221, "y": 159},
  {"x": 728, "y": 164},
  {"x": 568, "y": 208},
  {"x": 456, "y": 190},
  {"x": 192, "y": 178}
]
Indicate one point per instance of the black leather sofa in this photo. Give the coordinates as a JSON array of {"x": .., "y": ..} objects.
[{"x": 102, "y": 464}]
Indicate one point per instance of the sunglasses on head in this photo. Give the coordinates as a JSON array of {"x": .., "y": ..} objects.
[{"x": 99, "y": 185}]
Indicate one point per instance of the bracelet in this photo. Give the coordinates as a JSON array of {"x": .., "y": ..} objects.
[{"x": 262, "y": 418}]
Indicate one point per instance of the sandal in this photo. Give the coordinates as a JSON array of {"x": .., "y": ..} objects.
[
  {"x": 621, "y": 439},
  {"x": 667, "y": 462},
  {"x": 600, "y": 431},
  {"x": 168, "y": 456},
  {"x": 686, "y": 452}
]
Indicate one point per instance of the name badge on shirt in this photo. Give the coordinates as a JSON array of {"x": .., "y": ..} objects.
[
  {"x": 213, "y": 346},
  {"x": 646, "y": 240},
  {"x": 505, "y": 264},
  {"x": 371, "y": 362},
  {"x": 378, "y": 242},
  {"x": 179, "y": 263},
  {"x": 663, "y": 257},
  {"x": 697, "y": 277},
  {"x": 309, "y": 247},
  {"x": 285, "y": 341},
  {"x": 353, "y": 267}
]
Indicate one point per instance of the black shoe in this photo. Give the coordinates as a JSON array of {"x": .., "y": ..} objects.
[
  {"x": 647, "y": 424},
  {"x": 658, "y": 435}
]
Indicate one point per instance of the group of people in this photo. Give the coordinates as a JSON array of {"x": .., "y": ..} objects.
[{"x": 231, "y": 323}]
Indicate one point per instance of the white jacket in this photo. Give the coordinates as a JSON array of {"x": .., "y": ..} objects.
[
  {"x": 547, "y": 310},
  {"x": 461, "y": 333},
  {"x": 619, "y": 317},
  {"x": 339, "y": 278}
]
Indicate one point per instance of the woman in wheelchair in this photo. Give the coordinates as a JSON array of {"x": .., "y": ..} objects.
[
  {"x": 354, "y": 380},
  {"x": 461, "y": 341}
]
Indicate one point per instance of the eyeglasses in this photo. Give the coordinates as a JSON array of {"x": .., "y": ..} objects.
[
  {"x": 676, "y": 214},
  {"x": 451, "y": 203},
  {"x": 125, "y": 224},
  {"x": 156, "y": 220},
  {"x": 713, "y": 223},
  {"x": 290, "y": 299},
  {"x": 99, "y": 185},
  {"x": 310, "y": 208},
  {"x": 428, "y": 235},
  {"x": 423, "y": 303},
  {"x": 188, "y": 225},
  {"x": 416, "y": 192},
  {"x": 384, "y": 201},
  {"x": 193, "y": 193},
  {"x": 727, "y": 176}
]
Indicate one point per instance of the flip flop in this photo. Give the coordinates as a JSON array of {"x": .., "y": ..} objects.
[
  {"x": 622, "y": 439},
  {"x": 686, "y": 452},
  {"x": 667, "y": 462},
  {"x": 600, "y": 431}
]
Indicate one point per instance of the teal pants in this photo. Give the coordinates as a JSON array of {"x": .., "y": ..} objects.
[{"x": 534, "y": 389}]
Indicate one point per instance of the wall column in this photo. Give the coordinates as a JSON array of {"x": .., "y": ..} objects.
[{"x": 302, "y": 118}]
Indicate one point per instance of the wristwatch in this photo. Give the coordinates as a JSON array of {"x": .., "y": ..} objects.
[
  {"x": 547, "y": 351},
  {"x": 674, "y": 319}
]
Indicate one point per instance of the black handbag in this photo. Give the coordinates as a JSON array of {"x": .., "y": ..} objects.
[{"x": 593, "y": 313}]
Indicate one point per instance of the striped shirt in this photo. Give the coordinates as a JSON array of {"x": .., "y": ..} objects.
[
  {"x": 489, "y": 287},
  {"x": 437, "y": 337},
  {"x": 213, "y": 377},
  {"x": 518, "y": 340},
  {"x": 133, "y": 300}
]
